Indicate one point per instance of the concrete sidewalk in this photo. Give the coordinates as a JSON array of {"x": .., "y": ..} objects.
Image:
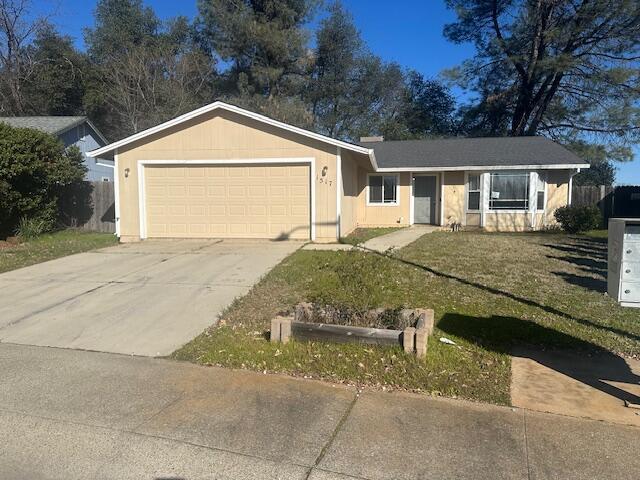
[{"x": 72, "y": 414}]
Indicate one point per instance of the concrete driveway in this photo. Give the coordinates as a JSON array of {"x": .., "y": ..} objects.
[{"x": 147, "y": 298}]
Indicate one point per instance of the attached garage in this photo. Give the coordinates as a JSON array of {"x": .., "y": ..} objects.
[
  {"x": 224, "y": 172},
  {"x": 260, "y": 200}
]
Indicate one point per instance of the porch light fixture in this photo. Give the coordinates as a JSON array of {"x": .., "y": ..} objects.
[
  {"x": 324, "y": 171},
  {"x": 126, "y": 172}
]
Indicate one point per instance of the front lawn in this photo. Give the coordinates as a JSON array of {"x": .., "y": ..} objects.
[
  {"x": 489, "y": 292},
  {"x": 50, "y": 246}
]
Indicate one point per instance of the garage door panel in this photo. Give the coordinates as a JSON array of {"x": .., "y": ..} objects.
[
  {"x": 237, "y": 210},
  {"x": 175, "y": 172},
  {"x": 196, "y": 190},
  {"x": 217, "y": 210},
  {"x": 197, "y": 210},
  {"x": 257, "y": 210},
  {"x": 228, "y": 201}
]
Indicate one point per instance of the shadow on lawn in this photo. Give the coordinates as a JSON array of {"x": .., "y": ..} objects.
[
  {"x": 583, "y": 247},
  {"x": 590, "y": 256},
  {"x": 502, "y": 334},
  {"x": 584, "y": 281},
  {"x": 512, "y": 296}
]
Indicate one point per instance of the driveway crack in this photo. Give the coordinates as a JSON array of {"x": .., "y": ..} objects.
[{"x": 53, "y": 305}]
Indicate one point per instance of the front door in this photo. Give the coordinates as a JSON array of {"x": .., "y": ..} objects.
[{"x": 424, "y": 199}]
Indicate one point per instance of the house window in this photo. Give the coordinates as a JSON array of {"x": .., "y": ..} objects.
[
  {"x": 383, "y": 189},
  {"x": 509, "y": 191},
  {"x": 473, "y": 192},
  {"x": 540, "y": 193}
]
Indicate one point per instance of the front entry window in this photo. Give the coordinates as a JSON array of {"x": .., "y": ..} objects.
[{"x": 383, "y": 189}]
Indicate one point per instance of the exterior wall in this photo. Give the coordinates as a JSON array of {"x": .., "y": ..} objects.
[
  {"x": 512, "y": 222},
  {"x": 83, "y": 137},
  {"x": 453, "y": 195},
  {"x": 383, "y": 215},
  {"x": 473, "y": 220},
  {"x": 557, "y": 194},
  {"x": 222, "y": 135},
  {"x": 350, "y": 193}
]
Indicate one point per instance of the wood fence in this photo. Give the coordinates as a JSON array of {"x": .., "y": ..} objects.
[
  {"x": 586, "y": 195},
  {"x": 89, "y": 206},
  {"x": 621, "y": 201}
]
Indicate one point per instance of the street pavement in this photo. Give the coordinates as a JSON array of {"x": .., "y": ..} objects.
[{"x": 68, "y": 414}]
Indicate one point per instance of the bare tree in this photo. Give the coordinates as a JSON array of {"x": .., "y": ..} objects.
[
  {"x": 16, "y": 31},
  {"x": 154, "y": 83}
]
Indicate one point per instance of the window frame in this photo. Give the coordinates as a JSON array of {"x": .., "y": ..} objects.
[
  {"x": 527, "y": 199},
  {"x": 383, "y": 203},
  {"x": 468, "y": 191}
]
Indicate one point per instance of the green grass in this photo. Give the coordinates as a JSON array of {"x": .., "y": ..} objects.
[
  {"x": 361, "y": 235},
  {"x": 50, "y": 246},
  {"x": 490, "y": 292}
]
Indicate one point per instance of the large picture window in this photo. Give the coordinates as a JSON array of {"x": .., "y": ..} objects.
[
  {"x": 509, "y": 191},
  {"x": 473, "y": 192},
  {"x": 383, "y": 189}
]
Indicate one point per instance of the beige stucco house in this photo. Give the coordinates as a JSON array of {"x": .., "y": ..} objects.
[{"x": 222, "y": 171}]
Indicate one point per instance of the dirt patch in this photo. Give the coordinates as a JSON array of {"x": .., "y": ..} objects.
[{"x": 385, "y": 318}]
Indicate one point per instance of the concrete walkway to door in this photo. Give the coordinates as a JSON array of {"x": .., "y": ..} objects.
[
  {"x": 146, "y": 298},
  {"x": 398, "y": 239}
]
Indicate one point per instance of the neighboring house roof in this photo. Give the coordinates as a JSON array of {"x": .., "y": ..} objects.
[
  {"x": 241, "y": 111},
  {"x": 55, "y": 125},
  {"x": 473, "y": 154}
]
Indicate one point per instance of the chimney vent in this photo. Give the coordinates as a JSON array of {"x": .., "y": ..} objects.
[{"x": 372, "y": 139}]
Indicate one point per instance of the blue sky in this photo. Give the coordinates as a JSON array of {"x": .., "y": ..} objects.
[{"x": 408, "y": 32}]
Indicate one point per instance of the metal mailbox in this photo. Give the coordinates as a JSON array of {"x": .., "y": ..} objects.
[{"x": 623, "y": 278}]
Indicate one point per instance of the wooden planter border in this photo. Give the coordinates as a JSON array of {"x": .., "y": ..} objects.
[{"x": 412, "y": 339}]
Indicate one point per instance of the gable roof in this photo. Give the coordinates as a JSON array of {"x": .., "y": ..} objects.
[
  {"x": 53, "y": 124},
  {"x": 473, "y": 154},
  {"x": 241, "y": 111}
]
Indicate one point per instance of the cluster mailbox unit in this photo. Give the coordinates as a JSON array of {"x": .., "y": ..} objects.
[{"x": 623, "y": 280}]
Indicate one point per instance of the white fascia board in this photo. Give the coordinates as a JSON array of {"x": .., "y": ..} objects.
[
  {"x": 485, "y": 168},
  {"x": 239, "y": 111},
  {"x": 110, "y": 165}
]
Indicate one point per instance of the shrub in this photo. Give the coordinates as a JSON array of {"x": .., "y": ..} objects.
[
  {"x": 574, "y": 219},
  {"x": 30, "y": 228},
  {"x": 35, "y": 168}
]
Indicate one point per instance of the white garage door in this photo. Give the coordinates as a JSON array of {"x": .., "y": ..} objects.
[{"x": 233, "y": 201}]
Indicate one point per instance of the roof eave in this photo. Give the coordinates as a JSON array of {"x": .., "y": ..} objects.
[{"x": 558, "y": 166}]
